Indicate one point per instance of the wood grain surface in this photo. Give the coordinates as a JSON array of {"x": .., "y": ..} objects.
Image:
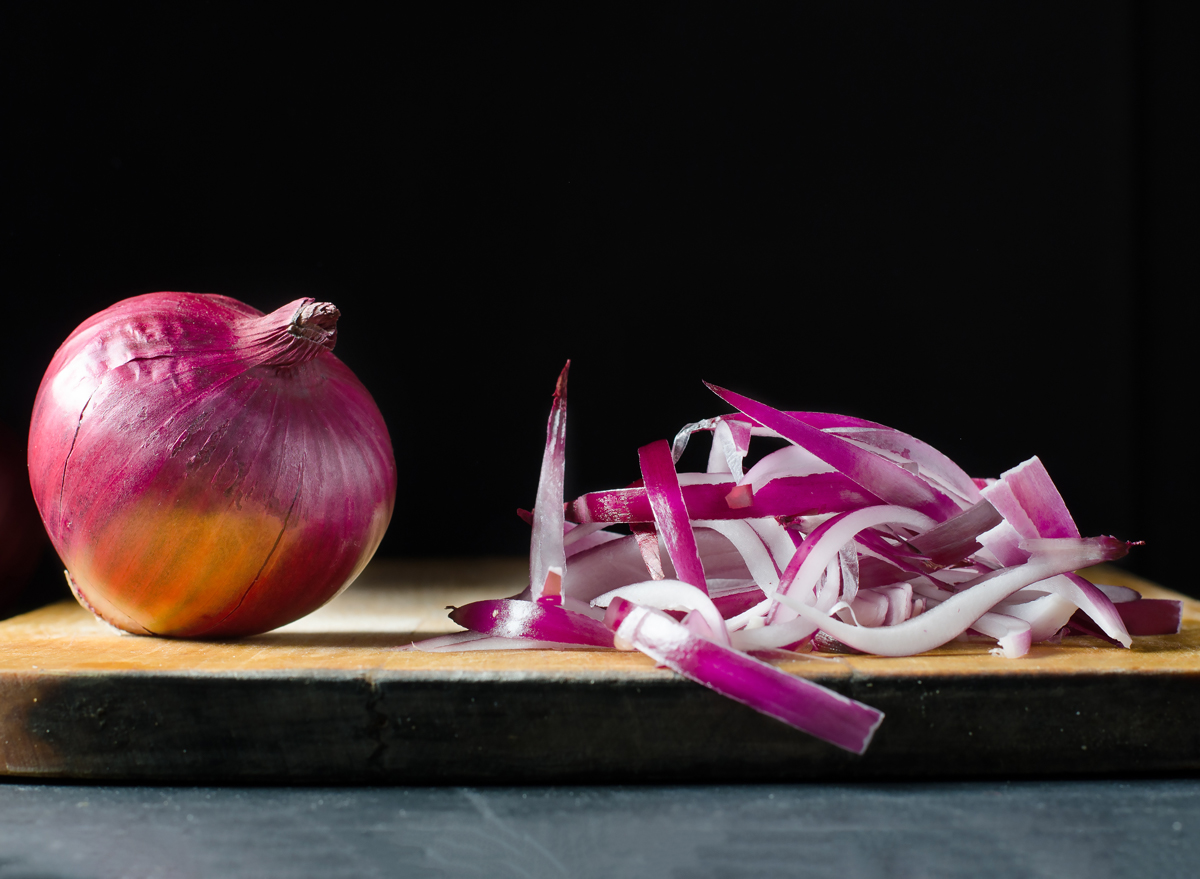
[{"x": 331, "y": 698}]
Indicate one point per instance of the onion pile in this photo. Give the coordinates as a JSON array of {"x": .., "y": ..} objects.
[
  {"x": 205, "y": 470},
  {"x": 853, "y": 536}
]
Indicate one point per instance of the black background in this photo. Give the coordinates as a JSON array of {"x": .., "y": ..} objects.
[{"x": 969, "y": 221}]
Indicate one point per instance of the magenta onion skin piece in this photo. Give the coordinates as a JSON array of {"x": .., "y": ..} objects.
[
  {"x": 516, "y": 618},
  {"x": 795, "y": 701},
  {"x": 204, "y": 470}
]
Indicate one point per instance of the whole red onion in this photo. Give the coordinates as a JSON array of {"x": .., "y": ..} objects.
[{"x": 205, "y": 470}]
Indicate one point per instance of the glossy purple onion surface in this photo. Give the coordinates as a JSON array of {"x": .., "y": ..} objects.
[{"x": 205, "y": 470}]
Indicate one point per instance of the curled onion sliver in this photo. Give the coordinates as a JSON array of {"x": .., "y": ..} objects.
[{"x": 670, "y": 595}]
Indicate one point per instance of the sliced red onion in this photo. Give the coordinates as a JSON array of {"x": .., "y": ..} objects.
[
  {"x": 648, "y": 546},
  {"x": 868, "y": 608},
  {"x": 670, "y": 514},
  {"x": 1029, "y": 501},
  {"x": 451, "y": 642},
  {"x": 776, "y": 635},
  {"x": 730, "y": 447},
  {"x": 882, "y": 478},
  {"x": 785, "y": 462},
  {"x": 1152, "y": 616},
  {"x": 854, "y": 537},
  {"x": 955, "y": 538},
  {"x": 1046, "y": 614},
  {"x": 932, "y": 463},
  {"x": 751, "y": 548},
  {"x": 1118, "y": 594},
  {"x": 546, "y": 549},
  {"x": 734, "y": 602},
  {"x": 583, "y": 537},
  {"x": 795, "y": 701},
  {"x": 1092, "y": 602},
  {"x": 1003, "y": 543},
  {"x": 619, "y": 563},
  {"x": 817, "y": 493},
  {"x": 460, "y": 643},
  {"x": 954, "y": 616},
  {"x": 1137, "y": 615},
  {"x": 671, "y": 595},
  {"x": 823, "y": 544},
  {"x": 1013, "y": 636},
  {"x": 515, "y": 618},
  {"x": 776, "y": 538}
]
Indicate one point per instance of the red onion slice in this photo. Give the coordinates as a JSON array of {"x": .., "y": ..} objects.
[
  {"x": 1030, "y": 502},
  {"x": 515, "y": 618},
  {"x": 810, "y": 494},
  {"x": 932, "y": 464},
  {"x": 955, "y": 538},
  {"x": 1152, "y": 616},
  {"x": 546, "y": 549},
  {"x": 855, "y": 537},
  {"x": 891, "y": 483},
  {"x": 823, "y": 544},
  {"x": 1013, "y": 635},
  {"x": 671, "y": 595},
  {"x": 954, "y": 616},
  {"x": 795, "y": 701},
  {"x": 1046, "y": 614},
  {"x": 670, "y": 514}
]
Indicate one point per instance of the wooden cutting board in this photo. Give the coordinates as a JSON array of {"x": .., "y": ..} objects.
[{"x": 331, "y": 699}]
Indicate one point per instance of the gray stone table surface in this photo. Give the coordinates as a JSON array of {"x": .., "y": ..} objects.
[{"x": 1085, "y": 828}]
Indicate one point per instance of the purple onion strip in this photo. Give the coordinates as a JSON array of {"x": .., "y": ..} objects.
[
  {"x": 933, "y": 463},
  {"x": 954, "y": 616},
  {"x": 824, "y": 543},
  {"x": 670, "y": 513},
  {"x": 1148, "y": 616},
  {"x": 546, "y": 548},
  {"x": 888, "y": 481},
  {"x": 514, "y": 618},
  {"x": 1029, "y": 500},
  {"x": 797, "y": 702},
  {"x": 671, "y": 595},
  {"x": 814, "y": 494},
  {"x": 955, "y": 539}
]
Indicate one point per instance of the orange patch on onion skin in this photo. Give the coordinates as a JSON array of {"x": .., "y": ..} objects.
[
  {"x": 173, "y": 571},
  {"x": 165, "y": 569}
]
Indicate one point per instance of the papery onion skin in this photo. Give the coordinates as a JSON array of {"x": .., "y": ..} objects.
[{"x": 205, "y": 470}]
